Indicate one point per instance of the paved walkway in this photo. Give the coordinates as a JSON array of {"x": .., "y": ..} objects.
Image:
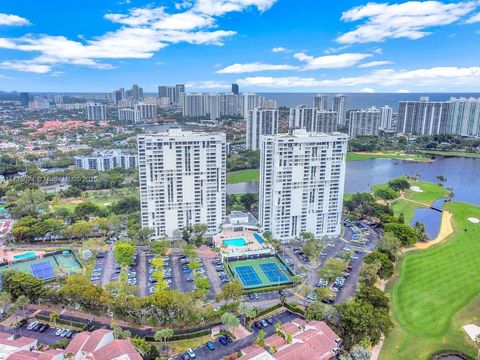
[
  {"x": 212, "y": 276},
  {"x": 142, "y": 273},
  {"x": 107, "y": 268}
]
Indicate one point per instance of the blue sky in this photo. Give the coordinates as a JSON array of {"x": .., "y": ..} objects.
[{"x": 264, "y": 45}]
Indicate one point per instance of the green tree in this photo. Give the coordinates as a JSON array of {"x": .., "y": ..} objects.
[
  {"x": 246, "y": 311},
  {"x": 389, "y": 245},
  {"x": 124, "y": 254},
  {"x": 403, "y": 232},
  {"x": 333, "y": 268},
  {"x": 163, "y": 335},
  {"x": 21, "y": 303},
  {"x": 54, "y": 318},
  {"x": 373, "y": 296},
  {"x": 247, "y": 200},
  {"x": 18, "y": 284},
  {"x": 386, "y": 265},
  {"x": 399, "y": 184},
  {"x": 199, "y": 231},
  {"x": 359, "y": 319},
  {"x": 316, "y": 311},
  {"x": 324, "y": 294},
  {"x": 386, "y": 194},
  {"x": 358, "y": 353},
  {"x": 260, "y": 340},
  {"x": 231, "y": 291},
  {"x": 81, "y": 229},
  {"x": 79, "y": 290},
  {"x": 126, "y": 205},
  {"x": 420, "y": 229},
  {"x": 312, "y": 248},
  {"x": 369, "y": 274},
  {"x": 146, "y": 349},
  {"x": 230, "y": 321},
  {"x": 30, "y": 202}
]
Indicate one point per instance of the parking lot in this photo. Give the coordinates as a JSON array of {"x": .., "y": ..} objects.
[
  {"x": 46, "y": 334},
  {"x": 227, "y": 348}
]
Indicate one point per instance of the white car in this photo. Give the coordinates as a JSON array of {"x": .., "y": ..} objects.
[
  {"x": 191, "y": 353},
  {"x": 58, "y": 332},
  {"x": 32, "y": 325}
]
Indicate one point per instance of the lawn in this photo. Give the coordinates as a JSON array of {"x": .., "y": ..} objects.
[
  {"x": 449, "y": 153},
  {"x": 182, "y": 345},
  {"x": 243, "y": 176},
  {"x": 101, "y": 198},
  {"x": 431, "y": 193},
  {"x": 353, "y": 156},
  {"x": 436, "y": 292}
]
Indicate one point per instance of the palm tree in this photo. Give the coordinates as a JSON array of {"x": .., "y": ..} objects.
[
  {"x": 54, "y": 317},
  {"x": 230, "y": 321},
  {"x": 22, "y": 302},
  {"x": 5, "y": 299},
  {"x": 163, "y": 335},
  {"x": 246, "y": 311},
  {"x": 477, "y": 342}
]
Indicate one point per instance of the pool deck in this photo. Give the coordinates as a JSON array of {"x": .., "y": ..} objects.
[
  {"x": 252, "y": 243},
  {"x": 7, "y": 256}
]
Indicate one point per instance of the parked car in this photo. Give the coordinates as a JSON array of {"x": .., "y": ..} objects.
[
  {"x": 264, "y": 323},
  {"x": 191, "y": 353},
  {"x": 58, "y": 332},
  {"x": 223, "y": 340},
  {"x": 257, "y": 325},
  {"x": 269, "y": 320},
  {"x": 32, "y": 325},
  {"x": 185, "y": 356},
  {"x": 64, "y": 333},
  {"x": 210, "y": 346}
]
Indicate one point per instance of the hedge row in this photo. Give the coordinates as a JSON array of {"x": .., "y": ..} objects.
[
  {"x": 295, "y": 308},
  {"x": 62, "y": 321}
]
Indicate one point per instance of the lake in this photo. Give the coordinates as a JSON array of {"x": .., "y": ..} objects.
[{"x": 463, "y": 176}]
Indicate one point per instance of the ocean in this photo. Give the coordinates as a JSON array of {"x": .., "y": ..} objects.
[
  {"x": 361, "y": 100},
  {"x": 354, "y": 100}
]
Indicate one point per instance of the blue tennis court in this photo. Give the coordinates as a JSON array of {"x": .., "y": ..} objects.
[
  {"x": 273, "y": 273},
  {"x": 248, "y": 276},
  {"x": 43, "y": 270}
]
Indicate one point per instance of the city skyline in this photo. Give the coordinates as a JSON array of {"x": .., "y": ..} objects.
[{"x": 210, "y": 44}]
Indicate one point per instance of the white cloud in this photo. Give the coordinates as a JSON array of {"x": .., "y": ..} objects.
[
  {"x": 409, "y": 20},
  {"x": 25, "y": 66},
  {"x": 13, "y": 20},
  {"x": 375, "y": 63},
  {"x": 453, "y": 77},
  {"x": 403, "y": 91},
  {"x": 254, "y": 67},
  {"x": 209, "y": 84},
  {"x": 330, "y": 61},
  {"x": 143, "y": 32},
  {"x": 474, "y": 19},
  {"x": 367, "y": 90},
  {"x": 279, "y": 49}
]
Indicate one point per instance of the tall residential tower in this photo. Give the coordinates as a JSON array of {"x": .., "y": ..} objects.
[
  {"x": 182, "y": 180},
  {"x": 302, "y": 178}
]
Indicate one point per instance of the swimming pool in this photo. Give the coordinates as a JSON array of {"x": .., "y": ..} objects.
[
  {"x": 25, "y": 256},
  {"x": 235, "y": 242},
  {"x": 259, "y": 238}
]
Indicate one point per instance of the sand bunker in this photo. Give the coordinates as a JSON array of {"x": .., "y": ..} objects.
[
  {"x": 473, "y": 220},
  {"x": 416, "y": 189},
  {"x": 472, "y": 330}
]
